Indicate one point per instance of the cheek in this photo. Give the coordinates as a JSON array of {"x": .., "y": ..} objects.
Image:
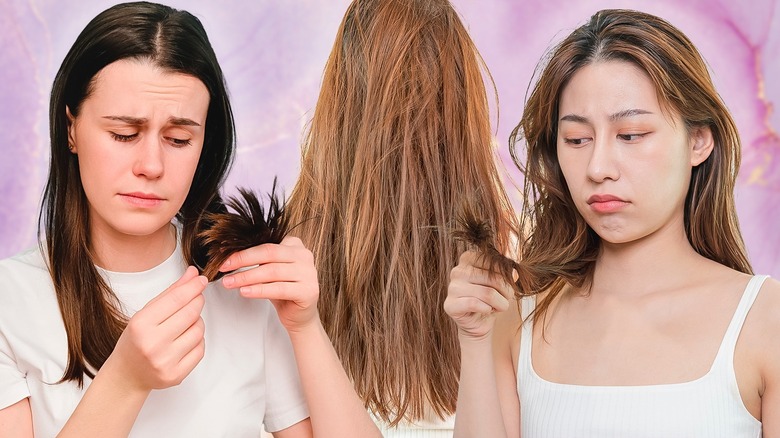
[
  {"x": 572, "y": 174},
  {"x": 183, "y": 167},
  {"x": 97, "y": 164}
]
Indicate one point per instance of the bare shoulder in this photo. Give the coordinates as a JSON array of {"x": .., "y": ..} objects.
[
  {"x": 765, "y": 313},
  {"x": 762, "y": 326}
]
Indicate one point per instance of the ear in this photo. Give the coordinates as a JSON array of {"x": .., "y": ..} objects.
[
  {"x": 702, "y": 144},
  {"x": 71, "y": 130}
]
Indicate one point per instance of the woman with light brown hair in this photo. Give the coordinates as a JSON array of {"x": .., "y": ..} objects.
[
  {"x": 400, "y": 140},
  {"x": 640, "y": 315}
]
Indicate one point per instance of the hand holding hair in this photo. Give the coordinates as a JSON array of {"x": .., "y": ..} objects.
[
  {"x": 479, "y": 234},
  {"x": 163, "y": 342},
  {"x": 284, "y": 273},
  {"x": 474, "y": 295},
  {"x": 227, "y": 233}
]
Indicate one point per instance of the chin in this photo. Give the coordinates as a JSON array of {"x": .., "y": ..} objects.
[{"x": 141, "y": 228}]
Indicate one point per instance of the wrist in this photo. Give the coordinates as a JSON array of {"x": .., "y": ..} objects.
[
  {"x": 306, "y": 330},
  {"x": 470, "y": 340},
  {"x": 112, "y": 375}
]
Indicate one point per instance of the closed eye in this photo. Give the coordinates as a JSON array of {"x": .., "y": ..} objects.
[
  {"x": 180, "y": 142},
  {"x": 123, "y": 138}
]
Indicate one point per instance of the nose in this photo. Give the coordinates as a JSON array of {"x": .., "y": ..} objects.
[
  {"x": 603, "y": 160},
  {"x": 149, "y": 158}
]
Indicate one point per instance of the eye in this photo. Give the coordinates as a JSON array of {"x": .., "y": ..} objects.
[
  {"x": 576, "y": 141},
  {"x": 123, "y": 138},
  {"x": 632, "y": 137},
  {"x": 180, "y": 142}
]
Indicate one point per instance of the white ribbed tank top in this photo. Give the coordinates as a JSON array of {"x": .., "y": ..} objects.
[{"x": 709, "y": 406}]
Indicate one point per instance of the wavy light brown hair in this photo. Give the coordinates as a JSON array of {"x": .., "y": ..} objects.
[
  {"x": 561, "y": 248},
  {"x": 399, "y": 140}
]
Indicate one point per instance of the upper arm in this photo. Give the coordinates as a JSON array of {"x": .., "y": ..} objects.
[
  {"x": 16, "y": 420},
  {"x": 301, "y": 429},
  {"x": 505, "y": 343},
  {"x": 770, "y": 399}
]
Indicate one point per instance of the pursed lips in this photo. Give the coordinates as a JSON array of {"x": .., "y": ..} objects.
[{"x": 606, "y": 203}]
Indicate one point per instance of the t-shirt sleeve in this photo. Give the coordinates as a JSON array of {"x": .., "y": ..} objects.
[
  {"x": 285, "y": 402},
  {"x": 13, "y": 383}
]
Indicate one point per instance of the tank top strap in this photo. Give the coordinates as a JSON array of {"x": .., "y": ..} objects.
[
  {"x": 527, "y": 305},
  {"x": 726, "y": 351}
]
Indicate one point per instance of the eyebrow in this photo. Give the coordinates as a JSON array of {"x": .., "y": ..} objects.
[
  {"x": 613, "y": 118},
  {"x": 138, "y": 121}
]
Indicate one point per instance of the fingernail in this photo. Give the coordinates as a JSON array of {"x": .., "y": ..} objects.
[
  {"x": 245, "y": 290},
  {"x": 225, "y": 265},
  {"x": 203, "y": 280},
  {"x": 515, "y": 275},
  {"x": 228, "y": 281}
]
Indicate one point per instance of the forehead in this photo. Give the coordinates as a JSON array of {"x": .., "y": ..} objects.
[
  {"x": 609, "y": 87},
  {"x": 139, "y": 88}
]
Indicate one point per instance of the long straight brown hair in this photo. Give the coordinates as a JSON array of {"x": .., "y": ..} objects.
[
  {"x": 399, "y": 141},
  {"x": 560, "y": 247},
  {"x": 175, "y": 41}
]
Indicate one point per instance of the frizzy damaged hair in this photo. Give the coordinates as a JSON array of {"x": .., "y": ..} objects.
[
  {"x": 560, "y": 248},
  {"x": 224, "y": 233},
  {"x": 174, "y": 41},
  {"x": 399, "y": 137},
  {"x": 480, "y": 236}
]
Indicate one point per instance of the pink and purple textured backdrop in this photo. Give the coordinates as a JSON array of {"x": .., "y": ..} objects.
[{"x": 273, "y": 53}]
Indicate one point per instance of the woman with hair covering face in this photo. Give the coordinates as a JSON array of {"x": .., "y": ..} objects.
[
  {"x": 399, "y": 142},
  {"x": 639, "y": 312},
  {"x": 103, "y": 330}
]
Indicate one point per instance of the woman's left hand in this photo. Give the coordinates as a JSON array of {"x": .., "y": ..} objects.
[{"x": 283, "y": 273}]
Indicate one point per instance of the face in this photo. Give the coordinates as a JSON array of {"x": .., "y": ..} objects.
[
  {"x": 138, "y": 138},
  {"x": 626, "y": 161}
]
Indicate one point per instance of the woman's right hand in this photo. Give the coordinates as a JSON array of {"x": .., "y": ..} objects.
[
  {"x": 474, "y": 296},
  {"x": 163, "y": 342}
]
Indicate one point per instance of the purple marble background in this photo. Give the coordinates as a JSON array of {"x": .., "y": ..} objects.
[{"x": 273, "y": 53}]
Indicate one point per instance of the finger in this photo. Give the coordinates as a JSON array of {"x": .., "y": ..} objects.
[
  {"x": 285, "y": 291},
  {"x": 261, "y": 254},
  {"x": 188, "y": 339},
  {"x": 292, "y": 241},
  {"x": 175, "y": 299},
  {"x": 466, "y": 305},
  {"x": 269, "y": 273},
  {"x": 190, "y": 360},
  {"x": 488, "y": 295},
  {"x": 188, "y": 275},
  {"x": 182, "y": 319},
  {"x": 475, "y": 275}
]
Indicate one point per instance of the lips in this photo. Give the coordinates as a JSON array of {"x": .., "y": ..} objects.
[
  {"x": 140, "y": 199},
  {"x": 606, "y": 203}
]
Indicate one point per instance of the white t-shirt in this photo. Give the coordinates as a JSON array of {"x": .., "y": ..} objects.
[{"x": 247, "y": 378}]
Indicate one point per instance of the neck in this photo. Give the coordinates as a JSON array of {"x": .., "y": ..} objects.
[
  {"x": 125, "y": 253},
  {"x": 658, "y": 261}
]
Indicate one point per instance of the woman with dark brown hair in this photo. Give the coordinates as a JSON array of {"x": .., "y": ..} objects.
[
  {"x": 400, "y": 140},
  {"x": 639, "y": 312}
]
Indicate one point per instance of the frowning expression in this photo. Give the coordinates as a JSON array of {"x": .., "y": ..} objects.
[
  {"x": 138, "y": 137},
  {"x": 626, "y": 160}
]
